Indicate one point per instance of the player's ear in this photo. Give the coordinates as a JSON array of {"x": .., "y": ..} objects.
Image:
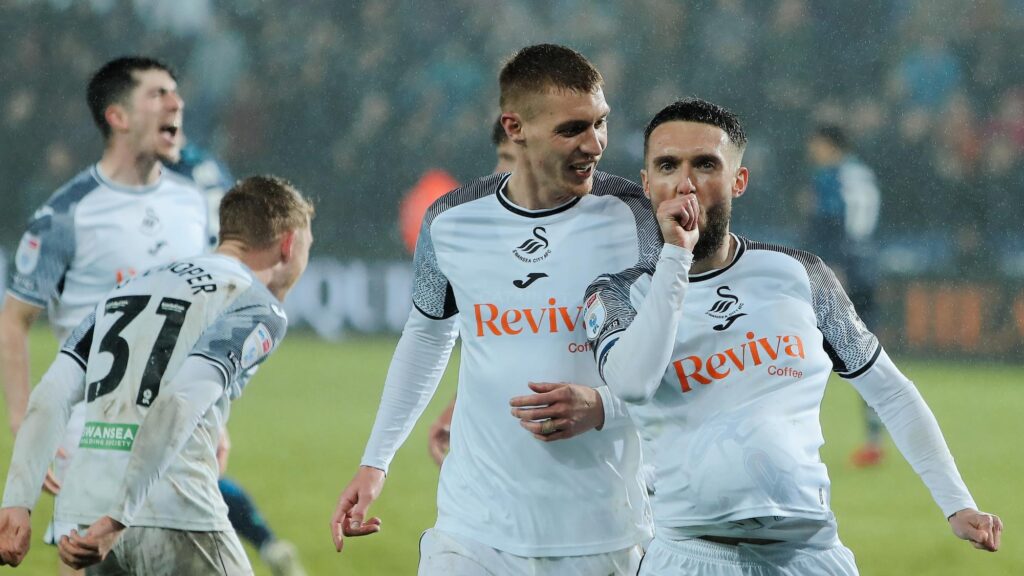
[
  {"x": 288, "y": 245},
  {"x": 116, "y": 116},
  {"x": 512, "y": 122},
  {"x": 643, "y": 181},
  {"x": 739, "y": 185}
]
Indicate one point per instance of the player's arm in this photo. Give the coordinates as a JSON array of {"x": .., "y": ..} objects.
[
  {"x": 858, "y": 357},
  {"x": 439, "y": 435},
  {"x": 168, "y": 425},
  {"x": 916, "y": 433},
  {"x": 49, "y": 408},
  {"x": 16, "y": 320},
  {"x": 44, "y": 255},
  {"x": 416, "y": 368},
  {"x": 632, "y": 352}
]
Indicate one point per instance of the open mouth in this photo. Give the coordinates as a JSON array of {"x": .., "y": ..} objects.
[
  {"x": 583, "y": 169},
  {"x": 169, "y": 130}
]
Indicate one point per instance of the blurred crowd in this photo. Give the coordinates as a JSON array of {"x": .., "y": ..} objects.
[{"x": 353, "y": 101}]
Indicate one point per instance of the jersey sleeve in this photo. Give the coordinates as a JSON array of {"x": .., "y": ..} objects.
[
  {"x": 608, "y": 308},
  {"x": 79, "y": 342},
  {"x": 44, "y": 254},
  {"x": 242, "y": 337},
  {"x": 848, "y": 342},
  {"x": 432, "y": 293}
]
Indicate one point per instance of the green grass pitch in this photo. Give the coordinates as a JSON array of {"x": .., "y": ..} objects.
[{"x": 298, "y": 433}]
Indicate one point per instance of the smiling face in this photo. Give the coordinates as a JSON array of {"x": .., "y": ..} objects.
[
  {"x": 150, "y": 119},
  {"x": 562, "y": 135},
  {"x": 694, "y": 158}
]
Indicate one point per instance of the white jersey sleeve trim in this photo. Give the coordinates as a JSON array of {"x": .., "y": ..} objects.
[
  {"x": 170, "y": 422},
  {"x": 633, "y": 361},
  {"x": 416, "y": 368},
  {"x": 915, "y": 431},
  {"x": 49, "y": 408}
]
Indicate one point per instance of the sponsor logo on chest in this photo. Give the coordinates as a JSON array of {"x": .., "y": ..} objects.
[{"x": 772, "y": 354}]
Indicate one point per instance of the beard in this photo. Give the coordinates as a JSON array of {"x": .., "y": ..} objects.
[{"x": 712, "y": 234}]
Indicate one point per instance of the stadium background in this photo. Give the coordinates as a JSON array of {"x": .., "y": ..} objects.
[{"x": 356, "y": 101}]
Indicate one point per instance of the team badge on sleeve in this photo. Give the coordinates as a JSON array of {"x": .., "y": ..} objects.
[
  {"x": 594, "y": 315},
  {"x": 257, "y": 345},
  {"x": 27, "y": 256}
]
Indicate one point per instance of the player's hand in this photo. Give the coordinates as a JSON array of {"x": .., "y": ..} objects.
[
  {"x": 438, "y": 438},
  {"x": 979, "y": 528},
  {"x": 80, "y": 551},
  {"x": 15, "y": 535},
  {"x": 50, "y": 483},
  {"x": 350, "y": 515},
  {"x": 223, "y": 451},
  {"x": 558, "y": 411},
  {"x": 678, "y": 219}
]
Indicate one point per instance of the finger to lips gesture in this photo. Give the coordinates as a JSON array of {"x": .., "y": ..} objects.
[
  {"x": 558, "y": 410},
  {"x": 677, "y": 218}
]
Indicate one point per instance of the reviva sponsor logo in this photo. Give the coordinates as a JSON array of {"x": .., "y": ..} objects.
[
  {"x": 493, "y": 321},
  {"x": 754, "y": 352}
]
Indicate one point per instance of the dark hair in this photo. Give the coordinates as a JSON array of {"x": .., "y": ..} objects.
[
  {"x": 113, "y": 82},
  {"x": 258, "y": 210},
  {"x": 703, "y": 112},
  {"x": 541, "y": 67},
  {"x": 498, "y": 135},
  {"x": 834, "y": 135}
]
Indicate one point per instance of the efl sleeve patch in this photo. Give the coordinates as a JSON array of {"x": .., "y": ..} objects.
[
  {"x": 27, "y": 256},
  {"x": 256, "y": 346},
  {"x": 594, "y": 315}
]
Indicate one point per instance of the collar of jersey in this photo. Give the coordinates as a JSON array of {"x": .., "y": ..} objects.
[
  {"x": 122, "y": 187},
  {"x": 741, "y": 247},
  {"x": 504, "y": 201}
]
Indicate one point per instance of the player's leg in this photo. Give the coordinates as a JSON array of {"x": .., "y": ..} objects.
[
  {"x": 446, "y": 554},
  {"x": 623, "y": 562},
  {"x": 280, "y": 555},
  {"x": 165, "y": 552}
]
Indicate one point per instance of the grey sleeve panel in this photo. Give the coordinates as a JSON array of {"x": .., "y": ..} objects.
[
  {"x": 243, "y": 336},
  {"x": 47, "y": 248},
  {"x": 614, "y": 290},
  {"x": 432, "y": 293},
  {"x": 848, "y": 342},
  {"x": 79, "y": 342}
]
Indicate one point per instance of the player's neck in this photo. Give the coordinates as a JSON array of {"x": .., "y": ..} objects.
[
  {"x": 525, "y": 190},
  {"x": 719, "y": 258},
  {"x": 128, "y": 168},
  {"x": 262, "y": 263}
]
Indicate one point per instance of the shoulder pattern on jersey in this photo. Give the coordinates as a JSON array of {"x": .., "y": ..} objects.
[
  {"x": 649, "y": 240},
  {"x": 848, "y": 342},
  {"x": 243, "y": 335},
  {"x": 48, "y": 245},
  {"x": 608, "y": 304},
  {"x": 79, "y": 343},
  {"x": 432, "y": 294}
]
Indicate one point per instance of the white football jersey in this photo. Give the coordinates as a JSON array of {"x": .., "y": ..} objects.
[
  {"x": 93, "y": 234},
  {"x": 732, "y": 431},
  {"x": 209, "y": 306},
  {"x": 516, "y": 279}
]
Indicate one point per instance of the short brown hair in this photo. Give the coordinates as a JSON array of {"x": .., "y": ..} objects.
[
  {"x": 543, "y": 67},
  {"x": 258, "y": 210},
  {"x": 114, "y": 82}
]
